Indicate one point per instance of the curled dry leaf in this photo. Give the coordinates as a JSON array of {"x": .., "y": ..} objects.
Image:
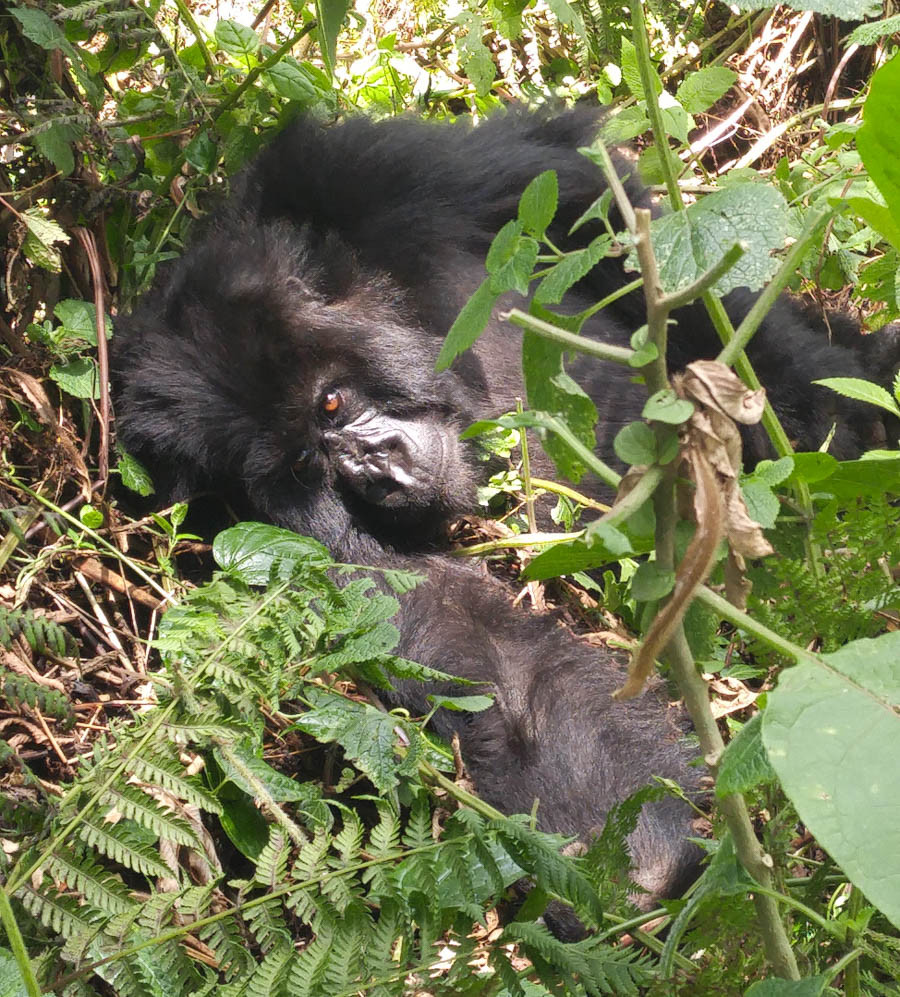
[{"x": 711, "y": 456}]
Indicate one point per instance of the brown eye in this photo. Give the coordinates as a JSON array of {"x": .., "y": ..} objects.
[{"x": 332, "y": 401}]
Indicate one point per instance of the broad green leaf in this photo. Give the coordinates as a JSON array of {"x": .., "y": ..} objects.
[
  {"x": 879, "y": 137},
  {"x": 700, "y": 90},
  {"x": 570, "y": 269},
  {"x": 845, "y": 10},
  {"x": 78, "y": 378},
  {"x": 330, "y": 16},
  {"x": 40, "y": 242},
  {"x": 632, "y": 74},
  {"x": 635, "y": 444},
  {"x": 608, "y": 537},
  {"x": 775, "y": 986},
  {"x": 744, "y": 764},
  {"x": 651, "y": 582},
  {"x": 862, "y": 391},
  {"x": 550, "y": 389},
  {"x": 762, "y": 503},
  {"x": 280, "y": 787},
  {"x": 55, "y": 143},
  {"x": 367, "y": 735},
  {"x": 289, "y": 79},
  {"x": 202, "y": 152},
  {"x": 537, "y": 205},
  {"x": 868, "y": 34},
  {"x": 626, "y": 125},
  {"x": 249, "y": 551},
  {"x": 475, "y": 57},
  {"x": 78, "y": 323},
  {"x": 12, "y": 983},
  {"x": 39, "y": 28},
  {"x": 236, "y": 39},
  {"x": 879, "y": 217},
  {"x": 689, "y": 242},
  {"x": 832, "y": 731},
  {"x": 665, "y": 406},
  {"x": 772, "y": 472},
  {"x": 469, "y": 325},
  {"x": 134, "y": 475},
  {"x": 462, "y": 704},
  {"x": 812, "y": 467}
]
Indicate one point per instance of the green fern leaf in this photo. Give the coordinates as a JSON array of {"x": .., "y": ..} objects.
[
  {"x": 168, "y": 773},
  {"x": 122, "y": 843},
  {"x": 269, "y": 975},
  {"x": 59, "y": 913},
  {"x": 98, "y": 886},
  {"x": 136, "y": 805},
  {"x": 271, "y": 864}
]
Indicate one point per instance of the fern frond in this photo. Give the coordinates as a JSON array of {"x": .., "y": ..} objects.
[
  {"x": 20, "y": 690},
  {"x": 62, "y": 914},
  {"x": 42, "y": 635},
  {"x": 269, "y": 975},
  {"x": 271, "y": 863},
  {"x": 146, "y": 812},
  {"x": 122, "y": 843},
  {"x": 97, "y": 885},
  {"x": 168, "y": 773}
]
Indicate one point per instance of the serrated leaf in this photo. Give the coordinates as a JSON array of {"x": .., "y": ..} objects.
[
  {"x": 462, "y": 704},
  {"x": 41, "y": 238},
  {"x": 809, "y": 986},
  {"x": 367, "y": 735},
  {"x": 689, "y": 242},
  {"x": 862, "y": 391},
  {"x": 700, "y": 90},
  {"x": 868, "y": 34},
  {"x": 236, "y": 39},
  {"x": 632, "y": 74},
  {"x": 282, "y": 788},
  {"x": 626, "y": 125},
  {"x": 39, "y": 28},
  {"x": 134, "y": 475},
  {"x": 762, "y": 504},
  {"x": 78, "y": 322},
  {"x": 744, "y": 764},
  {"x": 537, "y": 205},
  {"x": 570, "y": 269},
  {"x": 55, "y": 143},
  {"x": 78, "y": 378},
  {"x": 249, "y": 550},
  {"x": 845, "y": 10},
  {"x": 469, "y": 325},
  {"x": 832, "y": 732},
  {"x": 202, "y": 152}
]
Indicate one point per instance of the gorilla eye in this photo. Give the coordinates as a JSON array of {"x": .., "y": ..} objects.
[{"x": 332, "y": 402}]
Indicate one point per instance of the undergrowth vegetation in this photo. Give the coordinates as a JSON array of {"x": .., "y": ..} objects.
[{"x": 199, "y": 791}]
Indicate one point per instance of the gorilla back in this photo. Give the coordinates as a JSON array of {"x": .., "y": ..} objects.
[{"x": 290, "y": 356}]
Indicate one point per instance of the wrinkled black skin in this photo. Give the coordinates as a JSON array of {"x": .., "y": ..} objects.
[{"x": 338, "y": 265}]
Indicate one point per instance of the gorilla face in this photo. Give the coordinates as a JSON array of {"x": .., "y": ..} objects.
[{"x": 259, "y": 371}]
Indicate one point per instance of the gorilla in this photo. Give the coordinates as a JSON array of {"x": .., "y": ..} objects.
[{"x": 288, "y": 359}]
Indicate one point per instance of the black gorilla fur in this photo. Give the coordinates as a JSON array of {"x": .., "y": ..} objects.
[{"x": 289, "y": 357}]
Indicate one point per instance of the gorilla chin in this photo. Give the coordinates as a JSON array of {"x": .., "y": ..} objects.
[{"x": 291, "y": 354}]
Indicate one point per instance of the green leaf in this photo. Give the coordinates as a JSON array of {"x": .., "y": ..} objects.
[
  {"x": 202, "y": 152},
  {"x": 39, "y": 28},
  {"x": 845, "y": 10},
  {"x": 665, "y": 406},
  {"x": 868, "y": 34},
  {"x": 474, "y": 56},
  {"x": 632, "y": 74},
  {"x": 79, "y": 377},
  {"x": 367, "y": 735},
  {"x": 134, "y": 475},
  {"x": 862, "y": 391},
  {"x": 635, "y": 444},
  {"x": 537, "y": 205},
  {"x": 40, "y": 241},
  {"x": 626, "y": 125},
  {"x": 236, "y": 39},
  {"x": 92, "y": 518},
  {"x": 570, "y": 269},
  {"x": 12, "y": 984},
  {"x": 463, "y": 704},
  {"x": 762, "y": 503},
  {"x": 550, "y": 389},
  {"x": 812, "y": 467},
  {"x": 55, "y": 143},
  {"x": 699, "y": 91},
  {"x": 774, "y": 986},
  {"x": 330, "y": 16},
  {"x": 744, "y": 764},
  {"x": 570, "y": 558},
  {"x": 832, "y": 731},
  {"x": 879, "y": 217},
  {"x": 689, "y": 242},
  {"x": 469, "y": 325},
  {"x": 250, "y": 767},
  {"x": 651, "y": 582},
  {"x": 249, "y": 550},
  {"x": 78, "y": 321},
  {"x": 290, "y": 80}
]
